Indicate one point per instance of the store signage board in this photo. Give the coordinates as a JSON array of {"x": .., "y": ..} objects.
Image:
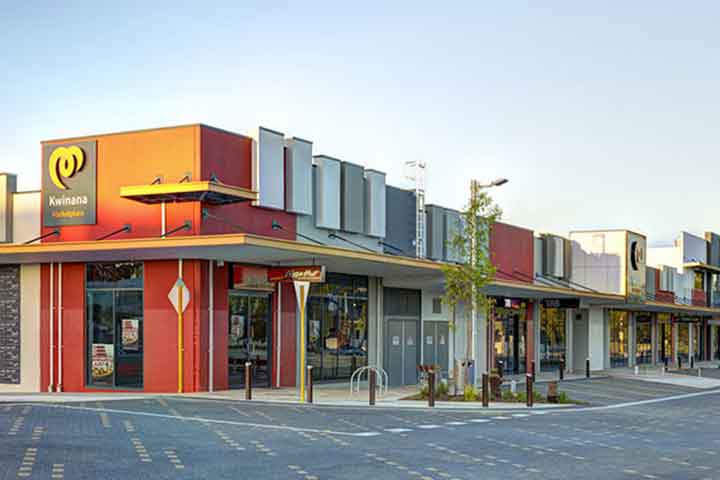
[
  {"x": 311, "y": 274},
  {"x": 69, "y": 184},
  {"x": 174, "y": 295},
  {"x": 561, "y": 303}
]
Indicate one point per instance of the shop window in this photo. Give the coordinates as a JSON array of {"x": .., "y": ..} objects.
[
  {"x": 114, "y": 323},
  {"x": 618, "y": 338},
  {"x": 552, "y": 337},
  {"x": 643, "y": 341},
  {"x": 664, "y": 338},
  {"x": 337, "y": 326},
  {"x": 699, "y": 281}
]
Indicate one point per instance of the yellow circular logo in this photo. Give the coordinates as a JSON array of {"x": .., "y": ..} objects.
[{"x": 65, "y": 162}]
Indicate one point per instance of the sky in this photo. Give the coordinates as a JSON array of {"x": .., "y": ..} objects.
[{"x": 601, "y": 114}]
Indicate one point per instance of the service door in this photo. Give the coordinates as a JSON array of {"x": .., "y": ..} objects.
[
  {"x": 435, "y": 350},
  {"x": 402, "y": 335}
]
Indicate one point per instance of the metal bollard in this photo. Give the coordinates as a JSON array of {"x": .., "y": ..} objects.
[
  {"x": 679, "y": 362},
  {"x": 431, "y": 388},
  {"x": 372, "y": 382},
  {"x": 587, "y": 368},
  {"x": 692, "y": 361},
  {"x": 529, "y": 389},
  {"x": 665, "y": 361},
  {"x": 532, "y": 369},
  {"x": 309, "y": 390},
  {"x": 248, "y": 381},
  {"x": 501, "y": 368},
  {"x": 485, "y": 390},
  {"x": 562, "y": 369}
]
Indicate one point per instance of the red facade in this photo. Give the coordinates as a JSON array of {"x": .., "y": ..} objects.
[{"x": 512, "y": 252}]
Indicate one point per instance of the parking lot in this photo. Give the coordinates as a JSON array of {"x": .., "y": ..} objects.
[{"x": 175, "y": 437}]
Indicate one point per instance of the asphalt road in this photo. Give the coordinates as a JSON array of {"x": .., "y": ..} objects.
[{"x": 175, "y": 438}]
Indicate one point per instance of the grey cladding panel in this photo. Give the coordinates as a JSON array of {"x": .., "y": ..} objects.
[
  {"x": 553, "y": 256},
  {"x": 352, "y": 198},
  {"x": 713, "y": 240},
  {"x": 400, "y": 221},
  {"x": 327, "y": 193},
  {"x": 452, "y": 229},
  {"x": 299, "y": 177},
  {"x": 375, "y": 203},
  {"x": 650, "y": 274},
  {"x": 435, "y": 231}
]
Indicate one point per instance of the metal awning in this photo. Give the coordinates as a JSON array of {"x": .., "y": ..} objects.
[
  {"x": 702, "y": 266},
  {"x": 210, "y": 192}
]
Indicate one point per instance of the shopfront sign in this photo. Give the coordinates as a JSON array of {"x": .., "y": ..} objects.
[
  {"x": 560, "y": 303},
  {"x": 312, "y": 274},
  {"x": 636, "y": 279},
  {"x": 69, "y": 183}
]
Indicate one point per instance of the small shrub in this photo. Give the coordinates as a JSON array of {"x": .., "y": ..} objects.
[
  {"x": 507, "y": 396},
  {"x": 425, "y": 392},
  {"x": 470, "y": 393},
  {"x": 563, "y": 397},
  {"x": 441, "y": 390}
]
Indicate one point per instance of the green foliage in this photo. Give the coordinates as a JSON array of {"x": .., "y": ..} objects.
[
  {"x": 441, "y": 390},
  {"x": 507, "y": 396},
  {"x": 563, "y": 397},
  {"x": 470, "y": 394},
  {"x": 425, "y": 391},
  {"x": 471, "y": 245},
  {"x": 537, "y": 396}
]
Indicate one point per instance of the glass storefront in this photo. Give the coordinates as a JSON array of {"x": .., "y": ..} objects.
[
  {"x": 114, "y": 302},
  {"x": 664, "y": 338},
  {"x": 249, "y": 337},
  {"x": 552, "y": 337},
  {"x": 618, "y": 323},
  {"x": 643, "y": 340},
  {"x": 337, "y": 326},
  {"x": 683, "y": 341},
  {"x": 510, "y": 326}
]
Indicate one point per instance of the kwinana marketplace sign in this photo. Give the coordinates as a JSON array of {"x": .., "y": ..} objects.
[{"x": 69, "y": 183}]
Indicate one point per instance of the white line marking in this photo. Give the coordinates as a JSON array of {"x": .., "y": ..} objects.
[
  {"x": 456, "y": 423},
  {"x": 641, "y": 402},
  {"x": 479, "y": 420},
  {"x": 428, "y": 427},
  {"x": 398, "y": 430},
  {"x": 212, "y": 420}
]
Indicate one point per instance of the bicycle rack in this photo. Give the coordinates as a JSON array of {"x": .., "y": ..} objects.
[{"x": 380, "y": 373}]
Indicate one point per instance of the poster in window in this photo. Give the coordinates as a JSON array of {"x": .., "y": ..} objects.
[
  {"x": 131, "y": 334},
  {"x": 103, "y": 361},
  {"x": 237, "y": 325}
]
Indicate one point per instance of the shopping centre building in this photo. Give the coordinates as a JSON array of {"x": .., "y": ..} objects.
[{"x": 130, "y": 228}]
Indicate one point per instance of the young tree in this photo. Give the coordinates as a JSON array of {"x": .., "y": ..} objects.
[{"x": 465, "y": 281}]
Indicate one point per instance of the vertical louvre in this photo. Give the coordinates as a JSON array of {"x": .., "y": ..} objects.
[
  {"x": 352, "y": 198},
  {"x": 435, "y": 222},
  {"x": 268, "y": 169},
  {"x": 327, "y": 192},
  {"x": 298, "y": 173},
  {"x": 452, "y": 229},
  {"x": 375, "y": 203}
]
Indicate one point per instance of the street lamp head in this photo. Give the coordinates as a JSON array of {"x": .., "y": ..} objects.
[{"x": 499, "y": 181}]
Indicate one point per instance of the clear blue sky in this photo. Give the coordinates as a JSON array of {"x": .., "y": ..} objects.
[{"x": 602, "y": 114}]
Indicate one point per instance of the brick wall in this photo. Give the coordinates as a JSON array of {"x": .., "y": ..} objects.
[{"x": 10, "y": 324}]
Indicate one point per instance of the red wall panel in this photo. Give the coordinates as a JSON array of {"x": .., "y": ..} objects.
[
  {"x": 73, "y": 322},
  {"x": 221, "y": 329},
  {"x": 511, "y": 250},
  {"x": 288, "y": 340},
  {"x": 229, "y": 157}
]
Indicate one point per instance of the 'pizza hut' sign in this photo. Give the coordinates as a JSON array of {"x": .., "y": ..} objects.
[{"x": 312, "y": 274}]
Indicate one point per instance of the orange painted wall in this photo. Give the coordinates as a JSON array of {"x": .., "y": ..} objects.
[{"x": 135, "y": 158}]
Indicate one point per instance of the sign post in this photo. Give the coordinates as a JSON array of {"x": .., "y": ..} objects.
[
  {"x": 301, "y": 277},
  {"x": 179, "y": 296}
]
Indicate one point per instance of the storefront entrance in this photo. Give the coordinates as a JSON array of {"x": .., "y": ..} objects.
[
  {"x": 510, "y": 327},
  {"x": 664, "y": 338},
  {"x": 643, "y": 340},
  {"x": 249, "y": 338}
]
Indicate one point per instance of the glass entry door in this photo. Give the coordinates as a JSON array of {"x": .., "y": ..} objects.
[{"x": 249, "y": 338}]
